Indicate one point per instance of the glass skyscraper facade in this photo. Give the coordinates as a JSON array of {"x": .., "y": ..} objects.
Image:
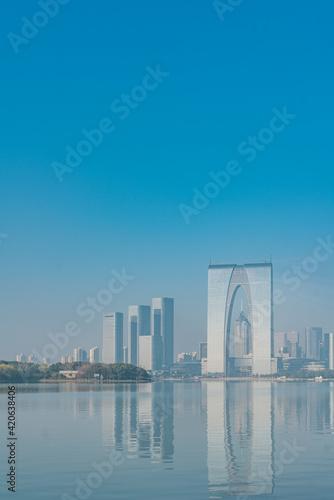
[
  {"x": 112, "y": 337},
  {"x": 314, "y": 338},
  {"x": 139, "y": 325},
  {"x": 223, "y": 284},
  {"x": 163, "y": 330}
]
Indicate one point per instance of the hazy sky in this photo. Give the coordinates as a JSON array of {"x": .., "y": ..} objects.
[{"x": 212, "y": 85}]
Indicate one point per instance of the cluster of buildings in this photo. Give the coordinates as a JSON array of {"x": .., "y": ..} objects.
[
  {"x": 252, "y": 348},
  {"x": 80, "y": 354},
  {"x": 150, "y": 336},
  {"x": 312, "y": 349},
  {"x": 247, "y": 347}
]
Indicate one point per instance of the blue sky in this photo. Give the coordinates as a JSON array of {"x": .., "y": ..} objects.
[{"x": 120, "y": 207}]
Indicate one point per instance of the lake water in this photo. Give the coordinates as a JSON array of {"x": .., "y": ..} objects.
[{"x": 169, "y": 440}]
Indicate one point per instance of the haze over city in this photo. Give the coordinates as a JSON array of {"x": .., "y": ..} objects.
[{"x": 120, "y": 207}]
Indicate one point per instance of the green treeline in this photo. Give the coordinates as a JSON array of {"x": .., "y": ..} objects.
[{"x": 28, "y": 372}]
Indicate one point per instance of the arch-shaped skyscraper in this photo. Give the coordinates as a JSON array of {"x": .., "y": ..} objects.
[{"x": 257, "y": 282}]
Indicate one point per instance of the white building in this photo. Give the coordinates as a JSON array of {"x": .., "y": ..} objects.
[
  {"x": 94, "y": 355},
  {"x": 112, "y": 338}
]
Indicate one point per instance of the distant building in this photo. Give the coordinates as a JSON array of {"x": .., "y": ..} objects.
[
  {"x": 70, "y": 359},
  {"x": 69, "y": 373},
  {"x": 112, "y": 338},
  {"x": 79, "y": 354},
  {"x": 242, "y": 342},
  {"x": 280, "y": 339},
  {"x": 94, "y": 355},
  {"x": 313, "y": 342},
  {"x": 163, "y": 330},
  {"x": 186, "y": 357},
  {"x": 329, "y": 351},
  {"x": 46, "y": 360},
  {"x": 21, "y": 358},
  {"x": 139, "y": 325},
  {"x": 32, "y": 359},
  {"x": 203, "y": 350},
  {"x": 293, "y": 349},
  {"x": 63, "y": 360},
  {"x": 125, "y": 354}
]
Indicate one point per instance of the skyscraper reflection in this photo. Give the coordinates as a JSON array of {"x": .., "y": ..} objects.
[
  {"x": 138, "y": 420},
  {"x": 240, "y": 439}
]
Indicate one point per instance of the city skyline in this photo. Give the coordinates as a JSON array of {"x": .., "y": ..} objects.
[{"x": 119, "y": 208}]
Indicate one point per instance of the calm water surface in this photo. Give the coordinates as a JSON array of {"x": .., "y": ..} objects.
[{"x": 170, "y": 440}]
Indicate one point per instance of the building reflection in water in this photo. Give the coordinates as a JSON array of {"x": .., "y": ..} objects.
[
  {"x": 138, "y": 420},
  {"x": 240, "y": 439}
]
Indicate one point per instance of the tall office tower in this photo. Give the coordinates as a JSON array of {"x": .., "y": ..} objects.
[
  {"x": 223, "y": 283},
  {"x": 163, "y": 330},
  {"x": 293, "y": 349},
  {"x": 125, "y": 354},
  {"x": 21, "y": 358},
  {"x": 241, "y": 342},
  {"x": 32, "y": 359},
  {"x": 112, "y": 338},
  {"x": 203, "y": 350},
  {"x": 70, "y": 359},
  {"x": 280, "y": 343},
  {"x": 302, "y": 343},
  {"x": 329, "y": 351},
  {"x": 63, "y": 360},
  {"x": 94, "y": 355},
  {"x": 85, "y": 355},
  {"x": 313, "y": 340},
  {"x": 139, "y": 325}
]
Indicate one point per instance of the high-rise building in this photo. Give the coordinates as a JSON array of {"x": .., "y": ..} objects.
[
  {"x": 313, "y": 342},
  {"x": 163, "y": 330},
  {"x": 139, "y": 325},
  {"x": 293, "y": 349},
  {"x": 280, "y": 343},
  {"x": 94, "y": 355},
  {"x": 112, "y": 338},
  {"x": 79, "y": 354},
  {"x": 69, "y": 359},
  {"x": 203, "y": 350},
  {"x": 32, "y": 359},
  {"x": 21, "y": 358},
  {"x": 329, "y": 350},
  {"x": 63, "y": 360},
  {"x": 125, "y": 354},
  {"x": 242, "y": 342},
  {"x": 257, "y": 283}
]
